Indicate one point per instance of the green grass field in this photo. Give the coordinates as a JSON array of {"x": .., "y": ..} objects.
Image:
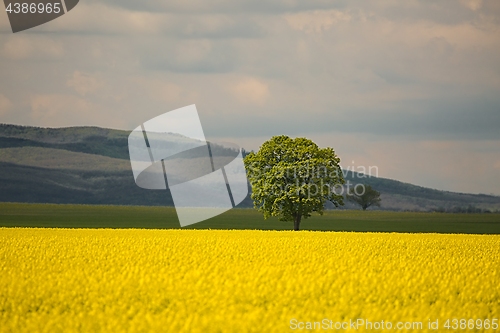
[{"x": 86, "y": 216}]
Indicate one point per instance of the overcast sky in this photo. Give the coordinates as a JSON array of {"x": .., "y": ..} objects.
[{"x": 412, "y": 87}]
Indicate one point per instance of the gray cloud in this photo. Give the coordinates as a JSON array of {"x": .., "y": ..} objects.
[
  {"x": 228, "y": 6},
  {"x": 396, "y": 72},
  {"x": 190, "y": 56}
]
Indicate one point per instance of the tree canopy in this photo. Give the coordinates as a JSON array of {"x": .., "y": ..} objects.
[
  {"x": 368, "y": 197},
  {"x": 291, "y": 178}
]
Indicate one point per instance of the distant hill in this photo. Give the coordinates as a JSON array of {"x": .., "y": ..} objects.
[
  {"x": 90, "y": 165},
  {"x": 398, "y": 195},
  {"x": 90, "y": 140}
]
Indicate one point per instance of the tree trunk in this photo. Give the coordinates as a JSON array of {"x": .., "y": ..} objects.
[{"x": 296, "y": 222}]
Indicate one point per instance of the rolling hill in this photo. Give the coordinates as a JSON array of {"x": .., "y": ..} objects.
[{"x": 90, "y": 165}]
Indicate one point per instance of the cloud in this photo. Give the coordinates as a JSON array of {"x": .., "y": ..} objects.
[
  {"x": 399, "y": 73},
  {"x": 56, "y": 110},
  {"x": 5, "y": 104},
  {"x": 165, "y": 91},
  {"x": 227, "y": 6},
  {"x": 105, "y": 19},
  {"x": 160, "y": 89},
  {"x": 251, "y": 90},
  {"x": 191, "y": 56},
  {"x": 472, "y": 4},
  {"x": 85, "y": 83},
  {"x": 316, "y": 21},
  {"x": 26, "y": 47}
]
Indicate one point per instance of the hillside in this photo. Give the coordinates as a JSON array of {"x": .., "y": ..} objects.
[
  {"x": 398, "y": 195},
  {"x": 90, "y": 165}
]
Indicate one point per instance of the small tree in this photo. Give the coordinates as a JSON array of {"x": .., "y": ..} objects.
[
  {"x": 291, "y": 178},
  {"x": 368, "y": 198}
]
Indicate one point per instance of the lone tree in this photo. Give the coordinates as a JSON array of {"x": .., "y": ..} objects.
[
  {"x": 369, "y": 197},
  {"x": 291, "y": 178}
]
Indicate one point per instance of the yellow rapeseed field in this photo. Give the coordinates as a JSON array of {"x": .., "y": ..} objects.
[{"x": 104, "y": 280}]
